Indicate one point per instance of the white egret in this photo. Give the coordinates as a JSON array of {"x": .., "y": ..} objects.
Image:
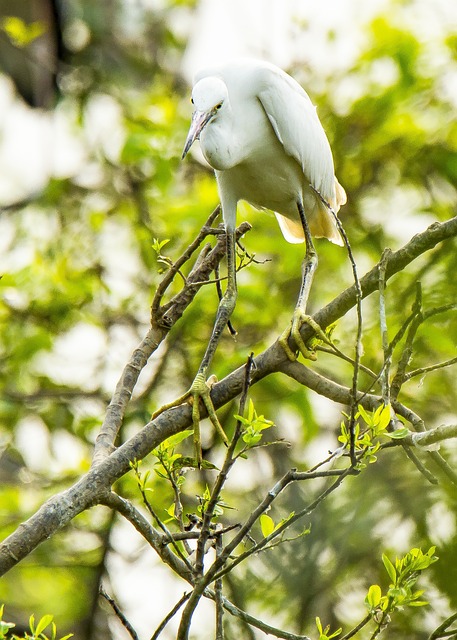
[{"x": 260, "y": 132}]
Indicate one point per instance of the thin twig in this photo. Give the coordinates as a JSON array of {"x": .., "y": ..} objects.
[
  {"x": 151, "y": 535},
  {"x": 159, "y": 522},
  {"x": 255, "y": 622},
  {"x": 432, "y": 367},
  {"x": 193, "y": 535},
  {"x": 218, "y": 595},
  {"x": 428, "y": 475},
  {"x": 340, "y": 354},
  {"x": 289, "y": 477},
  {"x": 452, "y": 306},
  {"x": 357, "y": 628},
  {"x": 174, "y": 268},
  {"x": 170, "y": 615},
  {"x": 383, "y": 326},
  {"x": 442, "y": 630},
  {"x": 178, "y": 510},
  {"x": 405, "y": 358},
  {"x": 121, "y": 617},
  {"x": 358, "y": 342}
]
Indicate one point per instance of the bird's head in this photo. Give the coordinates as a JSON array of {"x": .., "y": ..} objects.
[{"x": 209, "y": 96}]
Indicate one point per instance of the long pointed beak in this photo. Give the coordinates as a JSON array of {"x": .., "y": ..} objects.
[{"x": 199, "y": 120}]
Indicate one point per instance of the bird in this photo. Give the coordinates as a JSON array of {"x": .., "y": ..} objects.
[{"x": 260, "y": 132}]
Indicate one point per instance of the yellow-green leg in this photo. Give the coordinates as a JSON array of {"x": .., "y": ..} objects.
[
  {"x": 200, "y": 388},
  {"x": 300, "y": 317}
]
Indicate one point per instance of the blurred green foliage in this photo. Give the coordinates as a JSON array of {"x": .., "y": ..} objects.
[{"x": 80, "y": 270}]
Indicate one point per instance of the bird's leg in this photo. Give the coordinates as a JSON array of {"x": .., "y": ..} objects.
[
  {"x": 200, "y": 388},
  {"x": 300, "y": 316}
]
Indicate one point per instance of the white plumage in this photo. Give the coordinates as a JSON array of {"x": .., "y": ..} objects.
[{"x": 260, "y": 132}]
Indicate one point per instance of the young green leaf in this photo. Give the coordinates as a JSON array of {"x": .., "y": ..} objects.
[
  {"x": 192, "y": 463},
  {"x": 266, "y": 524},
  {"x": 4, "y": 628},
  {"x": 384, "y": 417},
  {"x": 43, "y": 623},
  {"x": 177, "y": 438},
  {"x": 398, "y": 434},
  {"x": 374, "y": 595},
  {"x": 158, "y": 245},
  {"x": 389, "y": 568},
  {"x": 367, "y": 418},
  {"x": 20, "y": 33}
]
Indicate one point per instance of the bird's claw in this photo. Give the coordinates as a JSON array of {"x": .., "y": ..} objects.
[
  {"x": 298, "y": 320},
  {"x": 200, "y": 389}
]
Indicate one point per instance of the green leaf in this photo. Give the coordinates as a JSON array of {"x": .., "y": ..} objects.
[
  {"x": 398, "y": 434},
  {"x": 43, "y": 623},
  {"x": 5, "y": 627},
  {"x": 251, "y": 411},
  {"x": 266, "y": 524},
  {"x": 20, "y": 33},
  {"x": 158, "y": 245},
  {"x": 205, "y": 464},
  {"x": 251, "y": 438},
  {"x": 284, "y": 520},
  {"x": 374, "y": 595},
  {"x": 192, "y": 463},
  {"x": 389, "y": 568},
  {"x": 173, "y": 441},
  {"x": 384, "y": 418},
  {"x": 367, "y": 418}
]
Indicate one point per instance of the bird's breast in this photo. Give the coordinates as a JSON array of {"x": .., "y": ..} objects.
[
  {"x": 268, "y": 179},
  {"x": 251, "y": 162}
]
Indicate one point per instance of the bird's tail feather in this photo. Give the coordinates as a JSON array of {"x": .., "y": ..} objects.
[{"x": 320, "y": 219}]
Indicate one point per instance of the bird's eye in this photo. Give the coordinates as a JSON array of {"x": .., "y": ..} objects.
[
  {"x": 192, "y": 100},
  {"x": 218, "y": 106}
]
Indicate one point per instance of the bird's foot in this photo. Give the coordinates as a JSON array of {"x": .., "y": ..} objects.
[
  {"x": 200, "y": 389},
  {"x": 298, "y": 320}
]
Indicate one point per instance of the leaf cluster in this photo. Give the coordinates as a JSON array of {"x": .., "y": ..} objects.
[
  {"x": 403, "y": 575},
  {"x": 37, "y": 629}
]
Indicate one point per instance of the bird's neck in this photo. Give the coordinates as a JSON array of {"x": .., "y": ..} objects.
[{"x": 220, "y": 142}]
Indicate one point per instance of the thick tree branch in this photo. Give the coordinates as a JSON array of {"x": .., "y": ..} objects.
[{"x": 432, "y": 436}]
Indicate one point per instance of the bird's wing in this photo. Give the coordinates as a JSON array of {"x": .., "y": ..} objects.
[{"x": 297, "y": 126}]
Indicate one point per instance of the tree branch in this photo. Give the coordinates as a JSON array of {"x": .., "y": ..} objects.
[{"x": 95, "y": 485}]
